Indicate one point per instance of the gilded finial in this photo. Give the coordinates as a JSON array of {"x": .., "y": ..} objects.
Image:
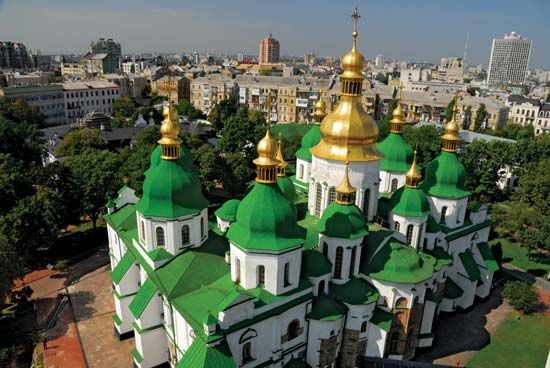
[
  {"x": 355, "y": 17},
  {"x": 398, "y": 121},
  {"x": 345, "y": 192},
  {"x": 281, "y": 167},
  {"x": 170, "y": 130},
  {"x": 451, "y": 138},
  {"x": 413, "y": 176},
  {"x": 266, "y": 162}
]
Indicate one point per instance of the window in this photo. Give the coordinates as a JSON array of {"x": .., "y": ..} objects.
[
  {"x": 202, "y": 227},
  {"x": 287, "y": 274},
  {"x": 247, "y": 352},
  {"x": 410, "y": 229},
  {"x": 394, "y": 185},
  {"x": 160, "y": 236},
  {"x": 331, "y": 195},
  {"x": 338, "y": 263},
  {"x": 143, "y": 230},
  {"x": 443, "y": 213},
  {"x": 301, "y": 171},
  {"x": 364, "y": 326},
  {"x": 352, "y": 262},
  {"x": 396, "y": 225},
  {"x": 321, "y": 288},
  {"x": 293, "y": 330},
  {"x": 261, "y": 275},
  {"x": 325, "y": 250},
  {"x": 394, "y": 341},
  {"x": 401, "y": 303},
  {"x": 238, "y": 269},
  {"x": 385, "y": 302},
  {"x": 366, "y": 202},
  {"x": 318, "y": 195}
]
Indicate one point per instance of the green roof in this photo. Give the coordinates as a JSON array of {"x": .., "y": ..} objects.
[
  {"x": 452, "y": 290},
  {"x": 326, "y": 308},
  {"x": 431, "y": 296},
  {"x": 432, "y": 225},
  {"x": 122, "y": 267},
  {"x": 443, "y": 258},
  {"x": 398, "y": 263},
  {"x": 398, "y": 155},
  {"x": 354, "y": 292},
  {"x": 200, "y": 355},
  {"x": 171, "y": 188},
  {"x": 310, "y": 139},
  {"x": 266, "y": 221},
  {"x": 382, "y": 319},
  {"x": 342, "y": 221},
  {"x": 159, "y": 254},
  {"x": 228, "y": 211},
  {"x": 468, "y": 228},
  {"x": 122, "y": 216},
  {"x": 488, "y": 257},
  {"x": 314, "y": 264},
  {"x": 445, "y": 177},
  {"x": 142, "y": 298},
  {"x": 287, "y": 188},
  {"x": 470, "y": 265},
  {"x": 410, "y": 202}
]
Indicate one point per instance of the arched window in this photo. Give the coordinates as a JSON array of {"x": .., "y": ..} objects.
[
  {"x": 401, "y": 303},
  {"x": 293, "y": 330},
  {"x": 325, "y": 250},
  {"x": 301, "y": 171},
  {"x": 321, "y": 288},
  {"x": 331, "y": 195},
  {"x": 238, "y": 269},
  {"x": 410, "y": 229},
  {"x": 287, "y": 274},
  {"x": 185, "y": 235},
  {"x": 261, "y": 275},
  {"x": 352, "y": 262},
  {"x": 202, "y": 227},
  {"x": 318, "y": 196},
  {"x": 393, "y": 185},
  {"x": 443, "y": 214},
  {"x": 394, "y": 342},
  {"x": 338, "y": 263},
  {"x": 364, "y": 326},
  {"x": 459, "y": 214},
  {"x": 143, "y": 230},
  {"x": 366, "y": 202},
  {"x": 160, "y": 236},
  {"x": 396, "y": 225},
  {"x": 247, "y": 352}
]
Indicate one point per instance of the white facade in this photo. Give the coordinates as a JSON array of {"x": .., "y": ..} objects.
[
  {"x": 390, "y": 181},
  {"x": 82, "y": 98},
  {"x": 509, "y": 60}
]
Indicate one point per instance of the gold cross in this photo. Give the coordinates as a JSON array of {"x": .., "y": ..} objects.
[
  {"x": 400, "y": 90},
  {"x": 355, "y": 17}
]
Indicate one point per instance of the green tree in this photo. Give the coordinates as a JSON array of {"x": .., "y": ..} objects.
[
  {"x": 20, "y": 111},
  {"x": 481, "y": 117},
  {"x": 467, "y": 121},
  {"x": 384, "y": 124},
  {"x": 238, "y": 175},
  {"x": 124, "y": 108},
  {"x": 210, "y": 167},
  {"x": 449, "y": 110},
  {"x": 521, "y": 295},
  {"x": 241, "y": 132},
  {"x": 187, "y": 109},
  {"x": 221, "y": 112},
  {"x": 202, "y": 73},
  {"x": 78, "y": 140},
  {"x": 11, "y": 267},
  {"x": 514, "y": 131},
  {"x": 534, "y": 186},
  {"x": 135, "y": 161},
  {"x": 427, "y": 140},
  {"x": 148, "y": 136},
  {"x": 548, "y": 98},
  {"x": 14, "y": 182},
  {"x": 97, "y": 175},
  {"x": 23, "y": 141}
]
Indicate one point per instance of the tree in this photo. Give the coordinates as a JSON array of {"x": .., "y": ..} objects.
[
  {"x": 221, "y": 112},
  {"x": 187, "y": 109},
  {"x": 20, "y": 111},
  {"x": 480, "y": 118},
  {"x": 521, "y": 295},
  {"x": 449, "y": 110},
  {"x": 97, "y": 175},
  {"x": 78, "y": 140},
  {"x": 467, "y": 121},
  {"x": 14, "y": 182},
  {"x": 211, "y": 167},
  {"x": 534, "y": 186},
  {"x": 124, "y": 107},
  {"x": 148, "y": 136},
  {"x": 241, "y": 132},
  {"x": 548, "y": 98},
  {"x": 23, "y": 141},
  {"x": 427, "y": 140},
  {"x": 514, "y": 131},
  {"x": 202, "y": 73},
  {"x": 135, "y": 161},
  {"x": 11, "y": 267},
  {"x": 384, "y": 124},
  {"x": 238, "y": 176}
]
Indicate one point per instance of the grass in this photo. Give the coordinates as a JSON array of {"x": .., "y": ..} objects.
[
  {"x": 518, "y": 343},
  {"x": 517, "y": 255}
]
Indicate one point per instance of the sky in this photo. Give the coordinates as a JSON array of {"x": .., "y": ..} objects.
[{"x": 421, "y": 30}]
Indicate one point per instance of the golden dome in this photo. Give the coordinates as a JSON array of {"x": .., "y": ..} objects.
[
  {"x": 281, "y": 167},
  {"x": 451, "y": 136},
  {"x": 170, "y": 130},
  {"x": 348, "y": 133},
  {"x": 413, "y": 176},
  {"x": 398, "y": 121},
  {"x": 320, "y": 110},
  {"x": 345, "y": 192},
  {"x": 266, "y": 162}
]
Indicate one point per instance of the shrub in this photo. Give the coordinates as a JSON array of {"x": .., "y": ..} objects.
[{"x": 521, "y": 295}]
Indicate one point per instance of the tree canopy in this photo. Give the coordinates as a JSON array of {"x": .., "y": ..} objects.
[
  {"x": 221, "y": 112},
  {"x": 78, "y": 140},
  {"x": 20, "y": 111}
]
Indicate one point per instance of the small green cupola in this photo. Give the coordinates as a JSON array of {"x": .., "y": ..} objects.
[{"x": 410, "y": 201}]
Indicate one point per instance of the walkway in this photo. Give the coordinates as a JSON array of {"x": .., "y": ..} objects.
[{"x": 526, "y": 276}]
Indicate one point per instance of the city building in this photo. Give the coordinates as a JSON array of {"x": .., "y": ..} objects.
[
  {"x": 259, "y": 288},
  {"x": 523, "y": 110},
  {"x": 269, "y": 51},
  {"x": 309, "y": 58},
  {"x": 450, "y": 69},
  {"x": 19, "y": 79},
  {"x": 14, "y": 55},
  {"x": 175, "y": 88},
  {"x": 83, "y": 97},
  {"x": 207, "y": 91},
  {"x": 380, "y": 61},
  {"x": 542, "y": 124},
  {"x": 106, "y": 46},
  {"x": 99, "y": 64},
  {"x": 131, "y": 85},
  {"x": 75, "y": 69},
  {"x": 509, "y": 60},
  {"x": 48, "y": 99}
]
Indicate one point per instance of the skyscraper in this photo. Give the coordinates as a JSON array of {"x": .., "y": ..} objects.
[
  {"x": 269, "y": 50},
  {"x": 106, "y": 46},
  {"x": 380, "y": 61},
  {"x": 14, "y": 55},
  {"x": 509, "y": 60}
]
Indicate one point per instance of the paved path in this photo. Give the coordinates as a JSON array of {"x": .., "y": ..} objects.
[{"x": 526, "y": 276}]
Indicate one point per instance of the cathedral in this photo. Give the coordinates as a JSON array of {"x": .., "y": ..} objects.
[{"x": 380, "y": 253}]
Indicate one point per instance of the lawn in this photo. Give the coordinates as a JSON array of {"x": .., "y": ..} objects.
[
  {"x": 517, "y": 255},
  {"x": 517, "y": 343}
]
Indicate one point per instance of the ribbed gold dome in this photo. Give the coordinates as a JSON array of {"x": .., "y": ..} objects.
[
  {"x": 348, "y": 133},
  {"x": 345, "y": 192},
  {"x": 451, "y": 138},
  {"x": 266, "y": 162},
  {"x": 170, "y": 130},
  {"x": 398, "y": 121},
  {"x": 320, "y": 110}
]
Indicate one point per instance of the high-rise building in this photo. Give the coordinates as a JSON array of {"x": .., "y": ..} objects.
[
  {"x": 240, "y": 57},
  {"x": 106, "y": 46},
  {"x": 14, "y": 55},
  {"x": 509, "y": 60},
  {"x": 309, "y": 58},
  {"x": 269, "y": 50},
  {"x": 380, "y": 61}
]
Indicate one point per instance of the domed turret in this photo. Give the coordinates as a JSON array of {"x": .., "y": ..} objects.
[
  {"x": 410, "y": 201},
  {"x": 283, "y": 181}
]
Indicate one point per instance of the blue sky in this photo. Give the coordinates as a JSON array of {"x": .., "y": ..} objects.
[{"x": 422, "y": 30}]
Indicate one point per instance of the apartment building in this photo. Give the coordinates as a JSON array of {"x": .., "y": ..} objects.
[
  {"x": 207, "y": 91},
  {"x": 523, "y": 110},
  {"x": 509, "y": 60},
  {"x": 85, "y": 97},
  {"x": 72, "y": 69},
  {"x": 48, "y": 99},
  {"x": 175, "y": 88},
  {"x": 542, "y": 124}
]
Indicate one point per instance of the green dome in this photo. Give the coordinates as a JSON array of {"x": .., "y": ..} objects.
[
  {"x": 228, "y": 211},
  {"x": 287, "y": 188},
  {"x": 410, "y": 202},
  {"x": 342, "y": 221},
  {"x": 266, "y": 221},
  {"x": 398, "y": 263},
  {"x": 171, "y": 188},
  {"x": 314, "y": 264},
  {"x": 309, "y": 140},
  {"x": 445, "y": 177},
  {"x": 398, "y": 155}
]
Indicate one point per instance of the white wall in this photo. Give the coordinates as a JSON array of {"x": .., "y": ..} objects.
[
  {"x": 376, "y": 344},
  {"x": 346, "y": 245},
  {"x": 386, "y": 178},
  {"x": 306, "y": 171},
  {"x": 419, "y": 228},
  {"x": 456, "y": 210},
  {"x": 153, "y": 347},
  {"x": 321, "y": 330}
]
